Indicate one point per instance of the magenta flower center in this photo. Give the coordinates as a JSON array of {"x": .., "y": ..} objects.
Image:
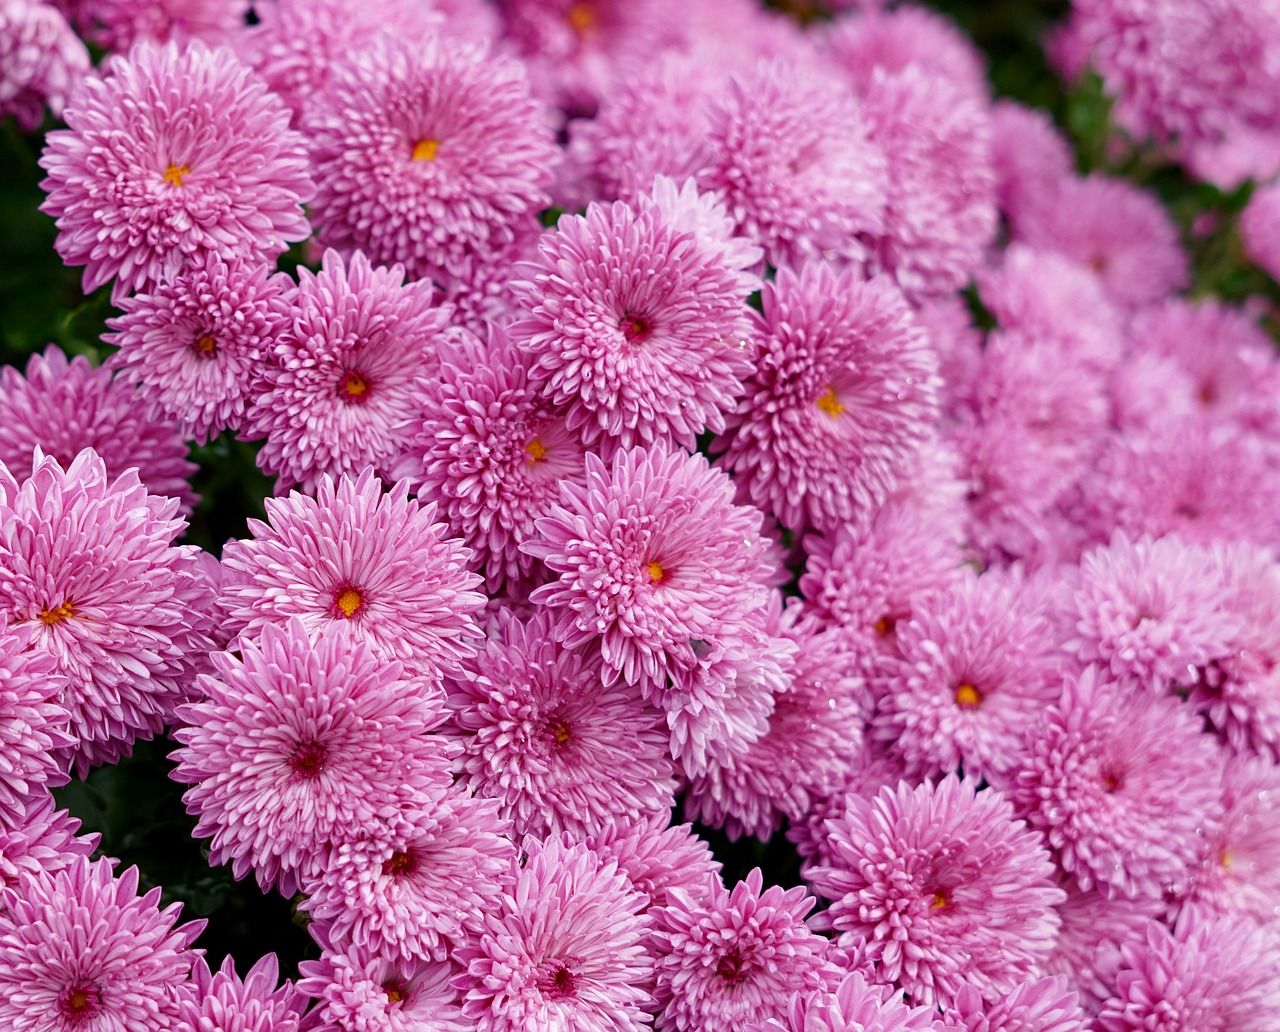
[
  {"x": 560, "y": 985},
  {"x": 354, "y": 386},
  {"x": 308, "y": 760},
  {"x": 636, "y": 328},
  {"x": 732, "y": 967},
  {"x": 560, "y": 730},
  {"x": 79, "y": 1003},
  {"x": 205, "y": 345},
  {"x": 399, "y": 863}
]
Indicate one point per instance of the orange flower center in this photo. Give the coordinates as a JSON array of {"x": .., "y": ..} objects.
[
  {"x": 354, "y": 386},
  {"x": 656, "y": 572},
  {"x": 426, "y": 150},
  {"x": 536, "y": 450},
  {"x": 175, "y": 175},
  {"x": 968, "y": 696},
  {"x": 49, "y": 617},
  {"x": 828, "y": 403},
  {"x": 581, "y": 18},
  {"x": 205, "y": 345}
]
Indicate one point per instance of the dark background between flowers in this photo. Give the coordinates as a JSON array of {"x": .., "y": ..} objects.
[{"x": 134, "y": 805}]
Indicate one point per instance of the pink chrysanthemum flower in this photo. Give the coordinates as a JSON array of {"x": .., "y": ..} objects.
[
  {"x": 635, "y": 318},
  {"x": 88, "y": 564},
  {"x": 977, "y": 665},
  {"x": 377, "y": 566},
  {"x": 653, "y": 560},
  {"x": 540, "y": 735},
  {"x": 941, "y": 887},
  {"x": 36, "y": 839},
  {"x": 1239, "y": 691},
  {"x": 490, "y": 452},
  {"x": 737, "y": 957},
  {"x": 1260, "y": 229},
  {"x": 426, "y": 153},
  {"x": 339, "y": 383},
  {"x": 566, "y": 950},
  {"x": 374, "y": 994},
  {"x": 657, "y": 859},
  {"x": 308, "y": 737},
  {"x": 1147, "y": 610},
  {"x": 1044, "y": 1005},
  {"x": 856, "y": 1004},
  {"x": 1124, "y": 786},
  {"x": 788, "y": 149},
  {"x": 80, "y": 950},
  {"x": 1240, "y": 875},
  {"x": 892, "y": 40},
  {"x": 816, "y": 724},
  {"x": 66, "y": 406},
  {"x": 118, "y": 24},
  {"x": 257, "y": 1003},
  {"x": 1206, "y": 973},
  {"x": 418, "y": 889},
  {"x": 42, "y": 61},
  {"x": 195, "y": 344},
  {"x": 296, "y": 43},
  {"x": 940, "y": 214},
  {"x": 842, "y": 401},
  {"x": 33, "y": 718},
  {"x": 172, "y": 153},
  {"x": 1115, "y": 229},
  {"x": 1030, "y": 155}
]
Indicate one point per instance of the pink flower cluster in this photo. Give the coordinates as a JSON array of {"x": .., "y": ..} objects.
[{"x": 710, "y": 506}]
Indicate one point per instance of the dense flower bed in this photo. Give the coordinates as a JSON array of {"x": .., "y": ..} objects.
[{"x": 697, "y": 435}]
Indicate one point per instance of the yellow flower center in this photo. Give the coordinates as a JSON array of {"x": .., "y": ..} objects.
[
  {"x": 49, "y": 617},
  {"x": 968, "y": 696},
  {"x": 426, "y": 150},
  {"x": 828, "y": 403},
  {"x": 175, "y": 175},
  {"x": 1226, "y": 860},
  {"x": 537, "y": 451},
  {"x": 940, "y": 900},
  {"x": 349, "y": 601},
  {"x": 560, "y": 730},
  {"x": 656, "y": 572},
  {"x": 353, "y": 386}
]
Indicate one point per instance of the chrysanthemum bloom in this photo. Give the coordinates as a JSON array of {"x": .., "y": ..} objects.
[
  {"x": 1195, "y": 477},
  {"x": 1147, "y": 610},
  {"x": 653, "y": 559},
  {"x": 195, "y": 344},
  {"x": 565, "y": 951},
  {"x": 635, "y": 320},
  {"x": 940, "y": 214},
  {"x": 842, "y": 400},
  {"x": 1043, "y": 1005},
  {"x": 36, "y": 839},
  {"x": 256, "y": 1003},
  {"x": 1260, "y": 227},
  {"x": 941, "y": 887},
  {"x": 174, "y": 152},
  {"x": 815, "y": 725},
  {"x": 1239, "y": 691},
  {"x": 1117, "y": 230},
  {"x": 1207, "y": 972},
  {"x": 867, "y": 580},
  {"x": 540, "y": 735},
  {"x": 978, "y": 664},
  {"x": 490, "y": 452},
  {"x": 88, "y": 564},
  {"x": 374, "y": 994},
  {"x": 376, "y": 566},
  {"x": 657, "y": 859},
  {"x": 1240, "y": 875},
  {"x": 296, "y": 43},
  {"x": 1185, "y": 72},
  {"x": 33, "y": 719},
  {"x": 42, "y": 60},
  {"x": 856, "y": 1004},
  {"x": 67, "y": 406},
  {"x": 118, "y": 24},
  {"x": 417, "y": 889},
  {"x": 340, "y": 381},
  {"x": 906, "y": 35},
  {"x": 1124, "y": 786},
  {"x": 737, "y": 957},
  {"x": 789, "y": 152},
  {"x": 80, "y": 949},
  {"x": 1094, "y": 926},
  {"x": 1047, "y": 296},
  {"x": 306, "y": 738},
  {"x": 1031, "y": 157},
  {"x": 426, "y": 153},
  {"x": 1226, "y": 361}
]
